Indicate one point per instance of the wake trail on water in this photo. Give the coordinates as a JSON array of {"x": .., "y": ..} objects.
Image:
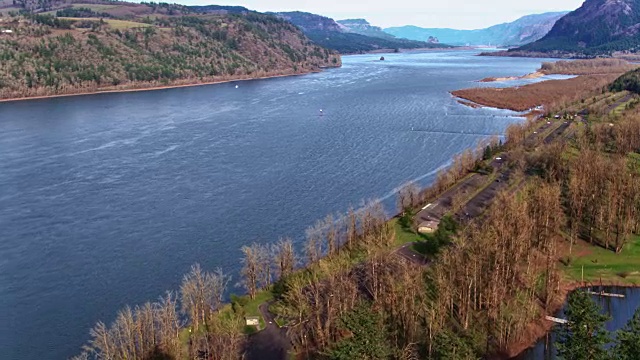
[{"x": 455, "y": 132}]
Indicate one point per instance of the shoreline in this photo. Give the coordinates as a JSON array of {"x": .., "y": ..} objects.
[
  {"x": 533, "y": 75},
  {"x": 154, "y": 88},
  {"x": 404, "y": 51}
]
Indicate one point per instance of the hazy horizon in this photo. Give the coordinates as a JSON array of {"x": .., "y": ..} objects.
[{"x": 456, "y": 14}]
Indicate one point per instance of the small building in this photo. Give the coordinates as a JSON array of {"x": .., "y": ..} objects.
[
  {"x": 252, "y": 321},
  {"x": 428, "y": 227}
]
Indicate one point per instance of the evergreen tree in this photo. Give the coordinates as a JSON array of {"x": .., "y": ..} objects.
[
  {"x": 366, "y": 339},
  {"x": 584, "y": 337},
  {"x": 628, "y": 340},
  {"x": 450, "y": 346}
]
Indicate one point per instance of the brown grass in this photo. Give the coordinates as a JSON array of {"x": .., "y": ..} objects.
[
  {"x": 546, "y": 93},
  {"x": 588, "y": 67}
]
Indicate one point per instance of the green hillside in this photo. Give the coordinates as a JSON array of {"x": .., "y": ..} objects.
[{"x": 46, "y": 54}]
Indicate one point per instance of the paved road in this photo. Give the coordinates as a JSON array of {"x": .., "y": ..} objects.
[
  {"x": 406, "y": 253},
  {"x": 441, "y": 205},
  {"x": 623, "y": 100},
  {"x": 271, "y": 343},
  {"x": 557, "y": 132}
]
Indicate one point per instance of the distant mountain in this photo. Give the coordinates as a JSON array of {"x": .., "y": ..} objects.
[
  {"x": 598, "y": 27},
  {"x": 308, "y": 22},
  {"x": 362, "y": 27},
  {"x": 522, "y": 31},
  {"x": 346, "y": 39}
]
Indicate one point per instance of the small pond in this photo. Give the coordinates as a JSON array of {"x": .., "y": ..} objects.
[{"x": 621, "y": 311}]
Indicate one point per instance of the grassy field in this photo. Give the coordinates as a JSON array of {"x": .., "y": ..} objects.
[
  {"x": 95, "y": 7},
  {"x": 403, "y": 236},
  {"x": 248, "y": 307},
  {"x": 116, "y": 24},
  {"x": 123, "y": 24},
  {"x": 600, "y": 264},
  {"x": 9, "y": 9}
]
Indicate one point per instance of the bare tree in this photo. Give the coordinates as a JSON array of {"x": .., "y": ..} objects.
[
  {"x": 285, "y": 258},
  {"x": 202, "y": 293},
  {"x": 313, "y": 246},
  {"x": 331, "y": 234},
  {"x": 408, "y": 197},
  {"x": 250, "y": 271},
  {"x": 169, "y": 324},
  {"x": 265, "y": 265}
]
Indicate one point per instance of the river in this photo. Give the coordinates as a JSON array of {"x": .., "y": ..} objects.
[{"x": 107, "y": 199}]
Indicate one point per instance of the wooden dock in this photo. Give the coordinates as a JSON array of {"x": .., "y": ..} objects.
[
  {"x": 556, "y": 320},
  {"x": 602, "y": 293}
]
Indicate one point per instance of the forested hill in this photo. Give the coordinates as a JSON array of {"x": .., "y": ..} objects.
[
  {"x": 598, "y": 27},
  {"x": 328, "y": 33},
  {"x": 90, "y": 47}
]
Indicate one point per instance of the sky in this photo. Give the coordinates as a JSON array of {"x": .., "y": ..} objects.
[{"x": 457, "y": 14}]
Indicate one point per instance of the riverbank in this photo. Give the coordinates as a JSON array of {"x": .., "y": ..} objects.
[
  {"x": 152, "y": 87},
  {"x": 395, "y": 51}
]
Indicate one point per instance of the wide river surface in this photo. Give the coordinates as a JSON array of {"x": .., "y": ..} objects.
[{"x": 107, "y": 200}]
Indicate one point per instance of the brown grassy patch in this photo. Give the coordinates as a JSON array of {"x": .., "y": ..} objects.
[
  {"x": 543, "y": 93},
  {"x": 588, "y": 67}
]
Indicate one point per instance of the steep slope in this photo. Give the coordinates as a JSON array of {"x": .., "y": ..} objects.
[
  {"x": 598, "y": 27},
  {"x": 522, "y": 31},
  {"x": 328, "y": 33},
  {"x": 362, "y": 27},
  {"x": 49, "y": 55}
]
